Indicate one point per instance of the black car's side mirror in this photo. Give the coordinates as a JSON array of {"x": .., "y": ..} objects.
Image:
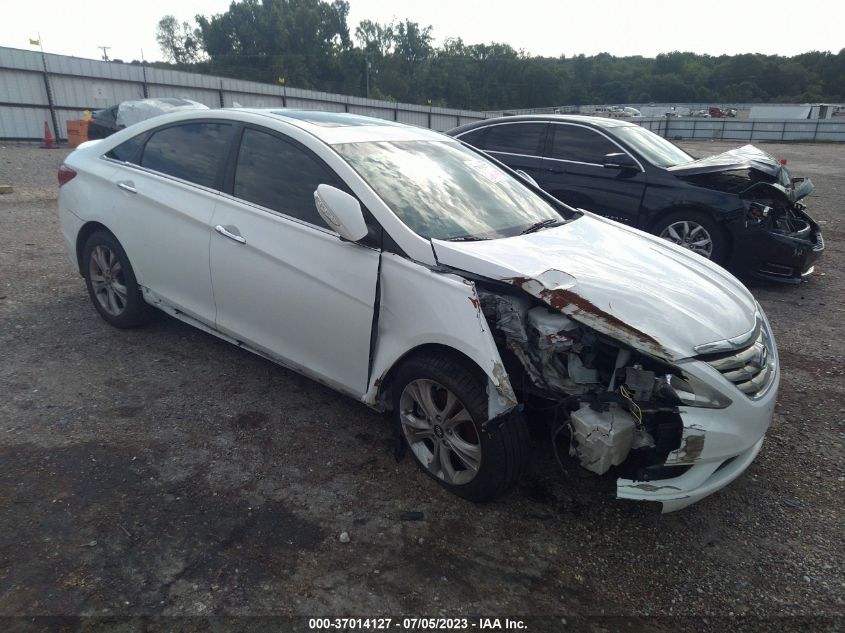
[{"x": 619, "y": 160}]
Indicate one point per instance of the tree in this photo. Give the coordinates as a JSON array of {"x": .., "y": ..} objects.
[{"x": 179, "y": 43}]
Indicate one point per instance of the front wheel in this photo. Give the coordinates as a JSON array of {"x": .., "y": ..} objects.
[
  {"x": 694, "y": 231},
  {"x": 439, "y": 404}
]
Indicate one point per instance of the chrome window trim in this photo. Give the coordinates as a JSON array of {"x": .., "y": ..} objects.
[
  {"x": 282, "y": 215},
  {"x": 597, "y": 131},
  {"x": 230, "y": 198},
  {"x": 153, "y": 172},
  {"x": 560, "y": 160},
  {"x": 493, "y": 151}
]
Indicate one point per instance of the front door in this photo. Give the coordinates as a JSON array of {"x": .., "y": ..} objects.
[
  {"x": 283, "y": 281},
  {"x": 574, "y": 173}
]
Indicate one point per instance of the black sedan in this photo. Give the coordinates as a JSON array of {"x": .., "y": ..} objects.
[{"x": 741, "y": 208}]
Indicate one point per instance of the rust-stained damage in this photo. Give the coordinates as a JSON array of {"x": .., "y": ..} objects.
[
  {"x": 572, "y": 304},
  {"x": 593, "y": 368}
]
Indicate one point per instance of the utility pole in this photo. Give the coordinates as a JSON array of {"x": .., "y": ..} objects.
[
  {"x": 48, "y": 88},
  {"x": 105, "y": 50},
  {"x": 367, "y": 72}
]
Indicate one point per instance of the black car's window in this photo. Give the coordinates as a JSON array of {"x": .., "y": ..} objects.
[
  {"x": 476, "y": 138},
  {"x": 128, "y": 151},
  {"x": 655, "y": 149},
  {"x": 516, "y": 138},
  {"x": 192, "y": 151},
  {"x": 580, "y": 144},
  {"x": 280, "y": 175}
]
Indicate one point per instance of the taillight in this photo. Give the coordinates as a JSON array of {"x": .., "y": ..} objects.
[{"x": 66, "y": 174}]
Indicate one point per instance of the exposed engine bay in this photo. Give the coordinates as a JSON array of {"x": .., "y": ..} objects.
[
  {"x": 620, "y": 405},
  {"x": 769, "y": 203}
]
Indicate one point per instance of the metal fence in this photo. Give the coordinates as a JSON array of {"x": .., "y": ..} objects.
[
  {"x": 729, "y": 129},
  {"x": 35, "y": 89}
]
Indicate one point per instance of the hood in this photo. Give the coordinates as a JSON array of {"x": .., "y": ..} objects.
[
  {"x": 745, "y": 157},
  {"x": 631, "y": 286}
]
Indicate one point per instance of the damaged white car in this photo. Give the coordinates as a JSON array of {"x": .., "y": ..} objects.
[{"x": 416, "y": 275}]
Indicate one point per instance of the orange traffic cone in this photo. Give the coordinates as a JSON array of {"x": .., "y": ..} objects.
[{"x": 49, "y": 140}]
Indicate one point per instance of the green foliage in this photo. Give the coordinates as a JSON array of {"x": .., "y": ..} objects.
[{"x": 308, "y": 43}]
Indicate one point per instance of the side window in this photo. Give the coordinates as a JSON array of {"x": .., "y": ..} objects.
[
  {"x": 580, "y": 144},
  {"x": 476, "y": 138},
  {"x": 192, "y": 152},
  {"x": 516, "y": 138},
  {"x": 280, "y": 175},
  {"x": 128, "y": 151}
]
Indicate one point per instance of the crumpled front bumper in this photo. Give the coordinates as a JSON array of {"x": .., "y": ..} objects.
[
  {"x": 717, "y": 444},
  {"x": 698, "y": 482},
  {"x": 771, "y": 255}
]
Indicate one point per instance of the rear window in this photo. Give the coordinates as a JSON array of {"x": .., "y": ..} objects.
[
  {"x": 580, "y": 144},
  {"x": 516, "y": 138},
  {"x": 128, "y": 151},
  {"x": 192, "y": 151}
]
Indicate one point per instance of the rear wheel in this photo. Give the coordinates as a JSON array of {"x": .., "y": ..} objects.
[
  {"x": 694, "y": 231},
  {"x": 111, "y": 282},
  {"x": 440, "y": 404}
]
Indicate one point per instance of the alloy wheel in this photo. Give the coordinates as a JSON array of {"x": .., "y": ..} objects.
[
  {"x": 107, "y": 280},
  {"x": 690, "y": 235},
  {"x": 440, "y": 431}
]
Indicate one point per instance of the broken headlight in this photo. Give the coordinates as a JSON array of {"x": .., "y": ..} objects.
[
  {"x": 756, "y": 212},
  {"x": 694, "y": 392}
]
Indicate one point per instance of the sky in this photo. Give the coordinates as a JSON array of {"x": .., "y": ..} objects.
[{"x": 540, "y": 27}]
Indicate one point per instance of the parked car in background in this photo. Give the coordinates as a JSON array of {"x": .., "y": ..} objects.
[
  {"x": 415, "y": 274},
  {"x": 741, "y": 209},
  {"x": 107, "y": 121}
]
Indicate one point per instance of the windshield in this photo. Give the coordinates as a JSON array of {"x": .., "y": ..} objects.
[
  {"x": 655, "y": 149},
  {"x": 445, "y": 191}
]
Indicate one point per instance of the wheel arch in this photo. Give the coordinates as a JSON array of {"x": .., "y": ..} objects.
[
  {"x": 680, "y": 207},
  {"x": 720, "y": 218},
  {"x": 87, "y": 230},
  {"x": 384, "y": 384}
]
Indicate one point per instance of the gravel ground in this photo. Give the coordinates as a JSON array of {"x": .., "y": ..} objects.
[{"x": 161, "y": 471}]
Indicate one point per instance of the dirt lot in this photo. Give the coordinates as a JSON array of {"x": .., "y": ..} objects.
[{"x": 164, "y": 472}]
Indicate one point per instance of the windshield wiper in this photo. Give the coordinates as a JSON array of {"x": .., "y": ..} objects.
[
  {"x": 467, "y": 238},
  {"x": 542, "y": 224}
]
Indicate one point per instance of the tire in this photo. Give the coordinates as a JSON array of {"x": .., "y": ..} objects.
[
  {"x": 447, "y": 440},
  {"x": 687, "y": 228},
  {"x": 111, "y": 282}
]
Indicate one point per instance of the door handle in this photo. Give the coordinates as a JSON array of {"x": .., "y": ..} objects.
[
  {"x": 127, "y": 185},
  {"x": 225, "y": 232}
]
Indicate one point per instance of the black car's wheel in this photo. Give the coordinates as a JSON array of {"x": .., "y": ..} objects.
[
  {"x": 439, "y": 405},
  {"x": 111, "y": 282},
  {"x": 695, "y": 231}
]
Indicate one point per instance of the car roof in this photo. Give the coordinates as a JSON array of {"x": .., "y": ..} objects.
[
  {"x": 341, "y": 127},
  {"x": 593, "y": 121},
  {"x": 331, "y": 128}
]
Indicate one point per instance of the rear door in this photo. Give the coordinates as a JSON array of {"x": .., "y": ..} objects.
[
  {"x": 164, "y": 192},
  {"x": 518, "y": 145},
  {"x": 284, "y": 282},
  {"x": 574, "y": 173}
]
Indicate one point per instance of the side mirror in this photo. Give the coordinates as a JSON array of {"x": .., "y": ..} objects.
[
  {"x": 527, "y": 178},
  {"x": 341, "y": 212},
  {"x": 619, "y": 160}
]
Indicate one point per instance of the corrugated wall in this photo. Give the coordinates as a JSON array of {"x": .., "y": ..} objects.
[{"x": 87, "y": 84}]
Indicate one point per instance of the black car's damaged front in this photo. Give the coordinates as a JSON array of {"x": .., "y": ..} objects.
[{"x": 777, "y": 240}]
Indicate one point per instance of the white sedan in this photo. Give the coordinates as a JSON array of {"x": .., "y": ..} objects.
[{"x": 417, "y": 275}]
